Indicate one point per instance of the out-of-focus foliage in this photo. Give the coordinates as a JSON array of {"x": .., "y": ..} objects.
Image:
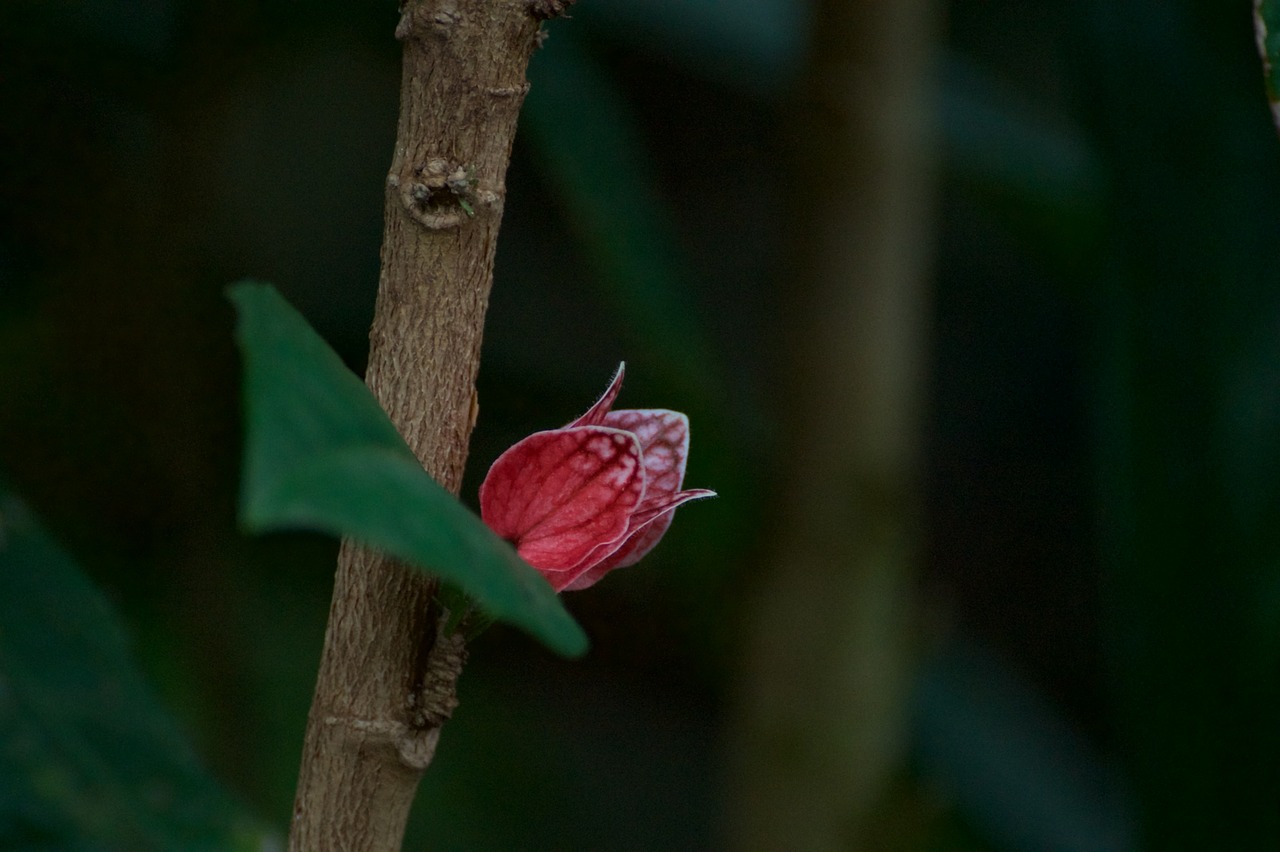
[
  {"x": 1187, "y": 419},
  {"x": 89, "y": 758},
  {"x": 321, "y": 455},
  {"x": 1266, "y": 25},
  {"x": 1024, "y": 775}
]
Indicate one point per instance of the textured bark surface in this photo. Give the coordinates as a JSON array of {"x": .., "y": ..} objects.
[
  {"x": 828, "y": 667},
  {"x": 385, "y": 684}
]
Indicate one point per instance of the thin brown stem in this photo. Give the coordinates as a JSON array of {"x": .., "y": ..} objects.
[{"x": 385, "y": 684}]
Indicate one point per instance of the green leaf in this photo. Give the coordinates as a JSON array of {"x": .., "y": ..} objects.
[
  {"x": 89, "y": 759},
  {"x": 322, "y": 455}
]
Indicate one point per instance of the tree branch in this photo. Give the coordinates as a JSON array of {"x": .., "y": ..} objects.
[
  {"x": 824, "y": 690},
  {"x": 386, "y": 680}
]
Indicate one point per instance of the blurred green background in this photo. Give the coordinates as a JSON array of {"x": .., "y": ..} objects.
[{"x": 1098, "y": 590}]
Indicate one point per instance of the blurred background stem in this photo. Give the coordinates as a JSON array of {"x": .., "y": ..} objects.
[{"x": 830, "y": 650}]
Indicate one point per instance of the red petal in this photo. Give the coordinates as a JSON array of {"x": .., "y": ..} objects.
[
  {"x": 595, "y": 416},
  {"x": 645, "y": 531},
  {"x": 664, "y": 441},
  {"x": 564, "y": 494}
]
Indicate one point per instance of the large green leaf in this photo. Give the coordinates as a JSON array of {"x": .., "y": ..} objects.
[
  {"x": 322, "y": 455},
  {"x": 88, "y": 757}
]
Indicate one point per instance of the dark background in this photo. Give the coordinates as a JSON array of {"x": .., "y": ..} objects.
[{"x": 1100, "y": 653}]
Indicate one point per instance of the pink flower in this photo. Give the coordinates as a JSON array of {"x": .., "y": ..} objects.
[{"x": 592, "y": 496}]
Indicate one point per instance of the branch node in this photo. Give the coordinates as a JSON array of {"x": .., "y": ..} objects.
[
  {"x": 416, "y": 749},
  {"x": 442, "y": 194},
  {"x": 546, "y": 9},
  {"x": 413, "y": 17}
]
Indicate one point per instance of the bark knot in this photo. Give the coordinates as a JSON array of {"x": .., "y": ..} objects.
[
  {"x": 441, "y": 193},
  {"x": 545, "y": 9}
]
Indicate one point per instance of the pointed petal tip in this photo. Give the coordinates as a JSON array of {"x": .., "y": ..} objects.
[
  {"x": 615, "y": 383},
  {"x": 596, "y": 414}
]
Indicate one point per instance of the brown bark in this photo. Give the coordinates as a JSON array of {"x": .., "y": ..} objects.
[
  {"x": 821, "y": 724},
  {"x": 385, "y": 684}
]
